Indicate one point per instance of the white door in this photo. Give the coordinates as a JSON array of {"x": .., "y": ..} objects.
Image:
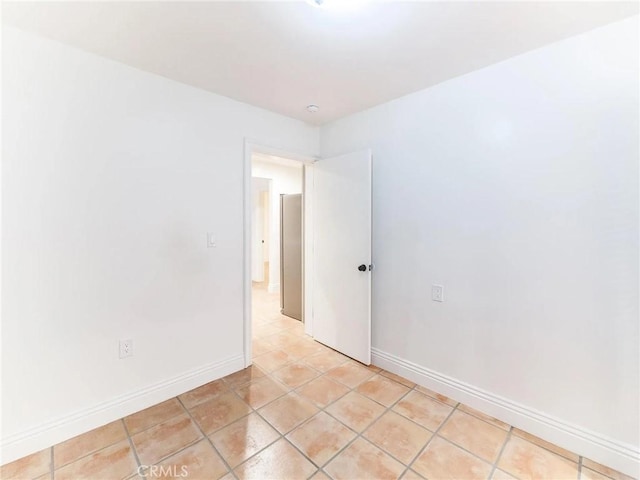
[{"x": 342, "y": 254}]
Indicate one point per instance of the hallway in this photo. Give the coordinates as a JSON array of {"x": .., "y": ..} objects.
[{"x": 305, "y": 411}]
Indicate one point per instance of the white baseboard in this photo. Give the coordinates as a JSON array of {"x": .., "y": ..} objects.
[
  {"x": 58, "y": 430},
  {"x": 273, "y": 288},
  {"x": 612, "y": 453}
]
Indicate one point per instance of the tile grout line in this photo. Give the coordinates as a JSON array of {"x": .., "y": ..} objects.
[
  {"x": 509, "y": 430},
  {"x": 133, "y": 448},
  {"x": 155, "y": 424},
  {"x": 504, "y": 445},
  {"x": 390, "y": 409},
  {"x": 359, "y": 435},
  {"x": 87, "y": 454},
  {"x": 224, "y": 460},
  {"x": 301, "y": 360},
  {"x": 320, "y": 409},
  {"x": 580, "y": 467},
  {"x": 473, "y": 454},
  {"x": 435, "y": 434},
  {"x": 175, "y": 452},
  {"x": 545, "y": 448},
  {"x": 280, "y": 435},
  {"x": 52, "y": 470}
]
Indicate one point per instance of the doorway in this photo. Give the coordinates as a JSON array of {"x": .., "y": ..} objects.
[
  {"x": 276, "y": 290},
  {"x": 336, "y": 277}
]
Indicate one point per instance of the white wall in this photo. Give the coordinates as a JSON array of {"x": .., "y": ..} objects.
[
  {"x": 111, "y": 179},
  {"x": 285, "y": 180},
  {"x": 515, "y": 187}
]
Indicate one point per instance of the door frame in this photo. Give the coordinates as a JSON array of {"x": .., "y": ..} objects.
[
  {"x": 260, "y": 265},
  {"x": 307, "y": 160}
]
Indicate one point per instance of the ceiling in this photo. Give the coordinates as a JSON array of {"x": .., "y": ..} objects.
[{"x": 283, "y": 56}]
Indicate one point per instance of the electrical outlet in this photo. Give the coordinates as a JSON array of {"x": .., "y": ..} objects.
[
  {"x": 437, "y": 293},
  {"x": 126, "y": 348}
]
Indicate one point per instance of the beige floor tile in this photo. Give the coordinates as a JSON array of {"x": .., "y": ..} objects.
[
  {"x": 244, "y": 376},
  {"x": 31, "y": 466},
  {"x": 356, "y": 411},
  {"x": 411, "y": 475},
  {"x": 444, "y": 461},
  {"x": 243, "y": 438},
  {"x": 260, "y": 346},
  {"x": 323, "y": 391},
  {"x": 295, "y": 374},
  {"x": 609, "y": 472},
  {"x": 398, "y": 436},
  {"x": 321, "y": 438},
  {"x": 197, "y": 462},
  {"x": 423, "y": 410},
  {"x": 283, "y": 340},
  {"x": 361, "y": 460},
  {"x": 228, "y": 476},
  {"x": 326, "y": 360},
  {"x": 283, "y": 322},
  {"x": 164, "y": 439},
  {"x": 97, "y": 439},
  {"x": 262, "y": 391},
  {"x": 397, "y": 378},
  {"x": 382, "y": 390},
  {"x": 153, "y": 415},
  {"x": 297, "y": 330},
  {"x": 204, "y": 393},
  {"x": 219, "y": 412},
  {"x": 548, "y": 445},
  {"x": 304, "y": 348},
  {"x": 441, "y": 398},
  {"x": 279, "y": 461},
  {"x": 273, "y": 360},
  {"x": 114, "y": 462},
  {"x": 483, "y": 416},
  {"x": 46, "y": 476},
  {"x": 288, "y": 412},
  {"x": 350, "y": 373},
  {"x": 475, "y": 435},
  {"x": 264, "y": 330},
  {"x": 500, "y": 475},
  {"x": 528, "y": 461}
]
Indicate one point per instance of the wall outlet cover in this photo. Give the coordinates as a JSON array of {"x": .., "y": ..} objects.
[
  {"x": 437, "y": 293},
  {"x": 126, "y": 348}
]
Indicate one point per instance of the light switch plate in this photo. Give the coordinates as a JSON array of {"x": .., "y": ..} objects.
[{"x": 211, "y": 240}]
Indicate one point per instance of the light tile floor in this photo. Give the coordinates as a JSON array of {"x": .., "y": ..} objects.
[{"x": 305, "y": 411}]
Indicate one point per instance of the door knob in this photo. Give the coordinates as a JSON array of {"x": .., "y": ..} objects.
[{"x": 362, "y": 268}]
